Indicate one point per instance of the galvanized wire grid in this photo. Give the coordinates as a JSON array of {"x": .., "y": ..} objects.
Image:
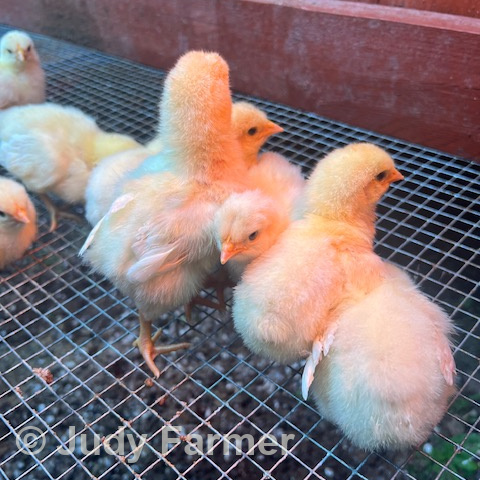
[{"x": 55, "y": 315}]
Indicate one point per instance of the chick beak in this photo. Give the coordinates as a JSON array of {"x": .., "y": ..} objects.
[
  {"x": 273, "y": 128},
  {"x": 20, "y": 54},
  {"x": 20, "y": 215},
  {"x": 396, "y": 176},
  {"x": 229, "y": 250}
]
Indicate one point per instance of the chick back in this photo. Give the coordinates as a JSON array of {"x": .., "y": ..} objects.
[{"x": 381, "y": 381}]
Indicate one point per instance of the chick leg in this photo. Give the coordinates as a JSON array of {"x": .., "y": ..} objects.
[
  {"x": 219, "y": 281},
  {"x": 55, "y": 212},
  {"x": 198, "y": 300},
  {"x": 145, "y": 343}
]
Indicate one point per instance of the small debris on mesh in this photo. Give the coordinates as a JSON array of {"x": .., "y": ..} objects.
[
  {"x": 45, "y": 374},
  {"x": 19, "y": 391},
  {"x": 149, "y": 383}
]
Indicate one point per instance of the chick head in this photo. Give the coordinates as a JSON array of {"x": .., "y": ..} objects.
[
  {"x": 252, "y": 129},
  {"x": 350, "y": 181},
  {"x": 17, "y": 48},
  {"x": 14, "y": 205},
  {"x": 247, "y": 224}
]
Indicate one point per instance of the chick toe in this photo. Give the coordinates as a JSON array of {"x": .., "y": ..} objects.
[{"x": 146, "y": 344}]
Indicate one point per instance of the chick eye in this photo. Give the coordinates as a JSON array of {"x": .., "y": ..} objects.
[
  {"x": 381, "y": 175},
  {"x": 9, "y": 51},
  {"x": 252, "y": 131},
  {"x": 2, "y": 214},
  {"x": 29, "y": 48},
  {"x": 253, "y": 236}
]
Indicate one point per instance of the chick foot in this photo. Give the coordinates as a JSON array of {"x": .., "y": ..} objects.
[
  {"x": 56, "y": 212},
  {"x": 145, "y": 343}
]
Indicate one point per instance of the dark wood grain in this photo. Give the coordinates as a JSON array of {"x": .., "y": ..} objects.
[{"x": 410, "y": 74}]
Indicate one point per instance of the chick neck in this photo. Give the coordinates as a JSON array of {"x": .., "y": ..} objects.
[{"x": 353, "y": 219}]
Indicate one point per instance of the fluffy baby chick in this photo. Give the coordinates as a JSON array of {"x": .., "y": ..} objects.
[
  {"x": 252, "y": 128},
  {"x": 22, "y": 79},
  {"x": 388, "y": 368},
  {"x": 282, "y": 305},
  {"x": 389, "y": 374},
  {"x": 52, "y": 149},
  {"x": 249, "y": 223},
  {"x": 156, "y": 243},
  {"x": 18, "y": 226}
]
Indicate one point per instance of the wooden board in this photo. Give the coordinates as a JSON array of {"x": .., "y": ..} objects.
[{"x": 406, "y": 73}]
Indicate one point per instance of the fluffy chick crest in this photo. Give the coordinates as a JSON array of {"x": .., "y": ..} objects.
[{"x": 350, "y": 180}]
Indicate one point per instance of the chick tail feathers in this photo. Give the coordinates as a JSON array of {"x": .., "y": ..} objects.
[
  {"x": 320, "y": 345},
  {"x": 447, "y": 363},
  {"x": 310, "y": 366}
]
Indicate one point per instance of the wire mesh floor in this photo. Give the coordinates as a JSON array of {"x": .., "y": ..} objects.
[{"x": 96, "y": 411}]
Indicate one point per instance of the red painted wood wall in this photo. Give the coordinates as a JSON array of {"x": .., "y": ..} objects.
[{"x": 407, "y": 73}]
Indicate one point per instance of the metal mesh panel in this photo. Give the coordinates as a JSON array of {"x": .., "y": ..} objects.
[{"x": 55, "y": 315}]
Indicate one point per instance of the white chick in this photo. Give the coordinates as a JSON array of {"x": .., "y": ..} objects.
[
  {"x": 389, "y": 374},
  {"x": 53, "y": 148},
  {"x": 156, "y": 243},
  {"x": 18, "y": 226},
  {"x": 281, "y": 306},
  {"x": 22, "y": 79},
  {"x": 249, "y": 223}
]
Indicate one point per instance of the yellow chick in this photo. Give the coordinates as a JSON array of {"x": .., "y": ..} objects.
[
  {"x": 389, "y": 374},
  {"x": 22, "y": 79},
  {"x": 387, "y": 370},
  {"x": 282, "y": 304},
  {"x": 52, "y": 149},
  {"x": 156, "y": 243},
  {"x": 18, "y": 225}
]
